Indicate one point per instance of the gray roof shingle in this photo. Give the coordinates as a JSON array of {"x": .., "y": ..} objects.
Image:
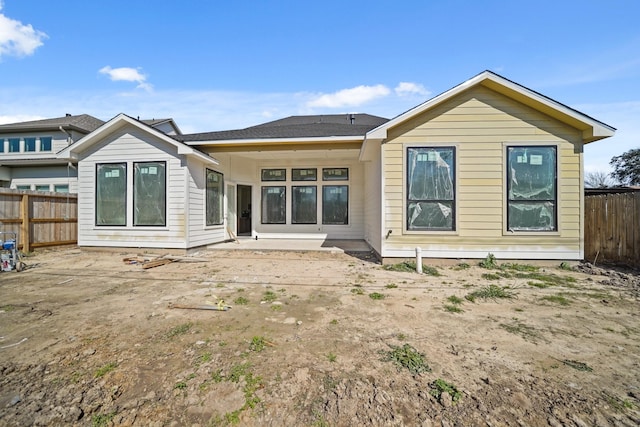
[
  {"x": 315, "y": 126},
  {"x": 82, "y": 122}
]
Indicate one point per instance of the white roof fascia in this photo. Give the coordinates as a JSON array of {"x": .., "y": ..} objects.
[
  {"x": 599, "y": 130},
  {"x": 71, "y": 152},
  {"x": 322, "y": 139}
]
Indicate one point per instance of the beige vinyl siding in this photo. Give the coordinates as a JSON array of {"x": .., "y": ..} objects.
[
  {"x": 480, "y": 123},
  {"x": 372, "y": 213},
  {"x": 129, "y": 146}
]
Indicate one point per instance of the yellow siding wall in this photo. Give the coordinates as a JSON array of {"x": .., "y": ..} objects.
[{"x": 479, "y": 122}]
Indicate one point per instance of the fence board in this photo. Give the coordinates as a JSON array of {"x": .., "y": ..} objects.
[
  {"x": 612, "y": 228},
  {"x": 39, "y": 218}
]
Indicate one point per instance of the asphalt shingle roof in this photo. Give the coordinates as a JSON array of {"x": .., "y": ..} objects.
[
  {"x": 296, "y": 127},
  {"x": 81, "y": 122}
]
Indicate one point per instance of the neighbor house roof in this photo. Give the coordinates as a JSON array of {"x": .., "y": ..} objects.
[
  {"x": 296, "y": 127},
  {"x": 121, "y": 120},
  {"x": 155, "y": 123},
  {"x": 81, "y": 122}
]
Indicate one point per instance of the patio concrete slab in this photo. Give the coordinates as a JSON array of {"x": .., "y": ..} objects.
[{"x": 293, "y": 245}]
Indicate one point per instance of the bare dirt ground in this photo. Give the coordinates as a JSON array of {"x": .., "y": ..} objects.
[{"x": 311, "y": 340}]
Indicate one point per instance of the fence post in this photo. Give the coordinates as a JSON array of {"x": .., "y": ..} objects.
[{"x": 24, "y": 227}]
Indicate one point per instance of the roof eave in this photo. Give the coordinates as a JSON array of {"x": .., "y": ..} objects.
[{"x": 283, "y": 141}]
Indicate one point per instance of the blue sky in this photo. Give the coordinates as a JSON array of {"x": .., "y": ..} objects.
[{"x": 225, "y": 65}]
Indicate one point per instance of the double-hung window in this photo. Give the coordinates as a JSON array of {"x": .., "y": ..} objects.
[
  {"x": 149, "y": 194},
  {"x": 111, "y": 194},
  {"x": 215, "y": 197},
  {"x": 531, "y": 188},
  {"x": 430, "y": 203}
]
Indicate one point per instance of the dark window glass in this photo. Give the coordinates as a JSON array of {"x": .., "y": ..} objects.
[
  {"x": 29, "y": 144},
  {"x": 304, "y": 204},
  {"x": 111, "y": 194},
  {"x": 335, "y": 204},
  {"x": 45, "y": 143},
  {"x": 215, "y": 197},
  {"x": 14, "y": 145},
  {"x": 274, "y": 205},
  {"x": 274, "y": 174},
  {"x": 431, "y": 188},
  {"x": 335, "y": 174},
  {"x": 310, "y": 174},
  {"x": 531, "y": 188},
  {"x": 149, "y": 193}
]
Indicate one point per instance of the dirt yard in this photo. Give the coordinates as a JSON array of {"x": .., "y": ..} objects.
[{"x": 315, "y": 339}]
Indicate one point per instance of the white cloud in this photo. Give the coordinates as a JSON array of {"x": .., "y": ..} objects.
[
  {"x": 17, "y": 39},
  {"x": 17, "y": 118},
  {"x": 353, "y": 97},
  {"x": 409, "y": 88},
  {"x": 127, "y": 74}
]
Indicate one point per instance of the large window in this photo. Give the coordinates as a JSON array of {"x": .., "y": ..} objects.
[
  {"x": 29, "y": 144},
  {"x": 149, "y": 193},
  {"x": 45, "y": 143},
  {"x": 274, "y": 205},
  {"x": 215, "y": 197},
  {"x": 430, "y": 188},
  {"x": 111, "y": 194},
  {"x": 531, "y": 188},
  {"x": 304, "y": 205},
  {"x": 14, "y": 145},
  {"x": 335, "y": 204}
]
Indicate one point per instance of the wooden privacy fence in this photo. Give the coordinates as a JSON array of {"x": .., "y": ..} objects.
[
  {"x": 39, "y": 218},
  {"x": 612, "y": 228}
]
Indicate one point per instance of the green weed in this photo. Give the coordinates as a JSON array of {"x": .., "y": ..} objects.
[
  {"x": 491, "y": 292},
  {"x": 331, "y": 357},
  {"x": 102, "y": 420},
  {"x": 406, "y": 357},
  {"x": 100, "y": 372},
  {"x": 489, "y": 262},
  {"x": 376, "y": 296},
  {"x": 357, "y": 291},
  {"x": 453, "y": 309},
  {"x": 257, "y": 344},
  {"x": 461, "y": 266},
  {"x": 455, "y": 300},
  {"x": 580, "y": 366},
  {"x": 241, "y": 301},
  {"x": 269, "y": 296},
  {"x": 180, "y": 329},
  {"x": 528, "y": 333},
  {"x": 440, "y": 386},
  {"x": 391, "y": 286},
  {"x": 558, "y": 299}
]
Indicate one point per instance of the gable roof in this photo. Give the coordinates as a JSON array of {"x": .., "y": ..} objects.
[
  {"x": 82, "y": 123},
  {"x": 156, "y": 123},
  {"x": 592, "y": 129},
  {"x": 121, "y": 120},
  {"x": 296, "y": 127}
]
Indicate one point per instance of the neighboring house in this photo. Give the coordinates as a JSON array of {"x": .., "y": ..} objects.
[
  {"x": 28, "y": 150},
  {"x": 486, "y": 167}
]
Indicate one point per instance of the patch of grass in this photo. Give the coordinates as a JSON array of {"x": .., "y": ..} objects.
[
  {"x": 580, "y": 366},
  {"x": 102, "y": 420},
  {"x": 238, "y": 371},
  {"x": 376, "y": 295},
  {"x": 453, "y": 309},
  {"x": 491, "y": 292},
  {"x": 391, "y": 286},
  {"x": 557, "y": 299},
  {"x": 217, "y": 376},
  {"x": 276, "y": 307},
  {"x": 489, "y": 262},
  {"x": 241, "y": 301},
  {"x": 180, "y": 329},
  {"x": 101, "y": 372},
  {"x": 331, "y": 357},
  {"x": 491, "y": 276},
  {"x": 440, "y": 386},
  {"x": 410, "y": 267},
  {"x": 406, "y": 357},
  {"x": 180, "y": 385},
  {"x": 233, "y": 418},
  {"x": 269, "y": 296},
  {"x": 357, "y": 291},
  {"x": 461, "y": 266},
  {"x": 455, "y": 300},
  {"x": 549, "y": 279},
  {"x": 401, "y": 336},
  {"x": 257, "y": 344},
  {"x": 565, "y": 266},
  {"x": 519, "y": 267},
  {"x": 205, "y": 357},
  {"x": 219, "y": 285},
  {"x": 540, "y": 285},
  {"x": 528, "y": 333},
  {"x": 334, "y": 322},
  {"x": 470, "y": 297}
]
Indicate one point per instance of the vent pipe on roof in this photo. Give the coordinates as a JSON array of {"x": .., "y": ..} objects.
[{"x": 352, "y": 118}]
